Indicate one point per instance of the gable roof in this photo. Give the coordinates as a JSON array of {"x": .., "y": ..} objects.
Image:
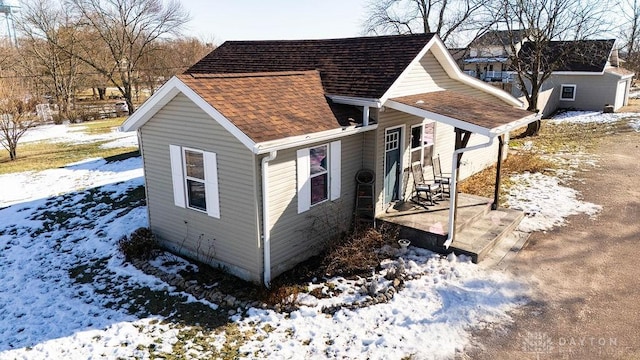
[
  {"x": 281, "y": 104},
  {"x": 576, "y": 56},
  {"x": 499, "y": 38},
  {"x": 363, "y": 67}
]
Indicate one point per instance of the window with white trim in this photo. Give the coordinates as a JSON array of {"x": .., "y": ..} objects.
[
  {"x": 422, "y": 143},
  {"x": 194, "y": 175},
  {"x": 567, "y": 92},
  {"x": 318, "y": 174}
]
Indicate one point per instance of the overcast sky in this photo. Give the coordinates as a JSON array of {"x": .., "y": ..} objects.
[{"x": 274, "y": 19}]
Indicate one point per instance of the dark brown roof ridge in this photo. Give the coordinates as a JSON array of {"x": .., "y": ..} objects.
[
  {"x": 248, "y": 74},
  {"x": 361, "y": 66}
]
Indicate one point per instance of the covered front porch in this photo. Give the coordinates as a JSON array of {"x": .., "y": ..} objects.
[
  {"x": 478, "y": 228},
  {"x": 464, "y": 224}
]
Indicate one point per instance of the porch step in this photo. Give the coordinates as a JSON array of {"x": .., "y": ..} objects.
[
  {"x": 487, "y": 231},
  {"x": 478, "y": 228}
]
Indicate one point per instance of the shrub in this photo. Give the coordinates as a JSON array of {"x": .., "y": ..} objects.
[
  {"x": 356, "y": 253},
  {"x": 140, "y": 245}
]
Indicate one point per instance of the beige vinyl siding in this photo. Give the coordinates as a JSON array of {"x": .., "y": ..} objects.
[
  {"x": 472, "y": 161},
  {"x": 444, "y": 145},
  {"x": 295, "y": 237},
  {"x": 390, "y": 119},
  {"x": 428, "y": 75},
  {"x": 232, "y": 240}
]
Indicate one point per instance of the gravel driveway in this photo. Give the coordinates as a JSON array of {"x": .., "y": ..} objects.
[{"x": 585, "y": 275}]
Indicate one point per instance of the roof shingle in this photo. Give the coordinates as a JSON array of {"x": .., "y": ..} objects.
[
  {"x": 271, "y": 106},
  {"x": 483, "y": 113},
  {"x": 360, "y": 67}
]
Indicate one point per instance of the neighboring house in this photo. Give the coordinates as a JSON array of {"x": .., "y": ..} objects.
[
  {"x": 250, "y": 156},
  {"x": 488, "y": 56},
  {"x": 589, "y": 78}
]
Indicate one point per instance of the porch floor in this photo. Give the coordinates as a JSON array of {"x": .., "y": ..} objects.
[{"x": 478, "y": 228}]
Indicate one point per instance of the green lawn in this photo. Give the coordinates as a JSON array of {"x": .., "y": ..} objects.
[{"x": 34, "y": 156}]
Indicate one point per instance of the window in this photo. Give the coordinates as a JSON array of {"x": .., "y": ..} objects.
[
  {"x": 422, "y": 143},
  {"x": 318, "y": 174},
  {"x": 194, "y": 175},
  {"x": 194, "y": 170},
  {"x": 568, "y": 92}
]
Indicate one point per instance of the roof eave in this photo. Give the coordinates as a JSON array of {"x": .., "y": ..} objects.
[
  {"x": 497, "y": 131},
  {"x": 307, "y": 139},
  {"x": 457, "y": 123},
  {"x": 165, "y": 94}
]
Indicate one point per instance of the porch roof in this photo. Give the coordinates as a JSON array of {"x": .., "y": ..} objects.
[{"x": 489, "y": 118}]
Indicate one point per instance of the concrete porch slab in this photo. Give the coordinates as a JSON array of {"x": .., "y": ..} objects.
[{"x": 478, "y": 228}]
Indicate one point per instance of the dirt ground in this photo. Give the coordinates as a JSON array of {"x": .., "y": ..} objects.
[{"x": 585, "y": 276}]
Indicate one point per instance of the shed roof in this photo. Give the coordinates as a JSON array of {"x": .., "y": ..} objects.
[
  {"x": 359, "y": 67},
  {"x": 271, "y": 106},
  {"x": 574, "y": 56},
  {"x": 465, "y": 112}
]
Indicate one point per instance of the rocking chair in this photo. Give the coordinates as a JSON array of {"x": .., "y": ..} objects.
[
  {"x": 431, "y": 189},
  {"x": 444, "y": 179}
]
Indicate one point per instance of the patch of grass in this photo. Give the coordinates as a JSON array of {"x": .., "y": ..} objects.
[
  {"x": 568, "y": 137},
  {"x": 43, "y": 155},
  {"x": 98, "y": 126},
  {"x": 483, "y": 183}
]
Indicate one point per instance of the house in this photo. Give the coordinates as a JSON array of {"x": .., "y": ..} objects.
[
  {"x": 250, "y": 156},
  {"x": 588, "y": 78},
  {"x": 488, "y": 56}
]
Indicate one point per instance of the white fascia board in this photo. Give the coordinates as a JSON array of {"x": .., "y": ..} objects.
[
  {"x": 167, "y": 92},
  {"x": 438, "y": 117},
  {"x": 515, "y": 124},
  {"x": 451, "y": 68},
  {"x": 302, "y": 140},
  {"x": 581, "y": 73},
  {"x": 355, "y": 101},
  {"x": 159, "y": 99}
]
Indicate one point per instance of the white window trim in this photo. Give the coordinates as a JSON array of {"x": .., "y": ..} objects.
[
  {"x": 304, "y": 175},
  {"x": 562, "y": 91},
  {"x": 422, "y": 145},
  {"x": 179, "y": 179}
]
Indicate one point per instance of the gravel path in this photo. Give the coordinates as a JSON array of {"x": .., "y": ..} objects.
[{"x": 585, "y": 275}]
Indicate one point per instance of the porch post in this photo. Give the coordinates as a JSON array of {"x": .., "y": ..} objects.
[
  {"x": 462, "y": 139},
  {"x": 496, "y": 193}
]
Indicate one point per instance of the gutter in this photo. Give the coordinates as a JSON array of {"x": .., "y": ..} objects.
[
  {"x": 454, "y": 188},
  {"x": 266, "y": 231}
]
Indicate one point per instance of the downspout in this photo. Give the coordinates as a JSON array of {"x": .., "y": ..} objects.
[
  {"x": 365, "y": 116},
  {"x": 266, "y": 231},
  {"x": 454, "y": 189}
]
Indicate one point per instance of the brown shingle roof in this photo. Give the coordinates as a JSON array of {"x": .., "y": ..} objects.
[
  {"x": 271, "y": 106},
  {"x": 483, "y": 113},
  {"x": 499, "y": 38},
  {"x": 360, "y": 67}
]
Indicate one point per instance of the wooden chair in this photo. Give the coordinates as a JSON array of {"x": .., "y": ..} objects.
[
  {"x": 431, "y": 189},
  {"x": 444, "y": 179}
]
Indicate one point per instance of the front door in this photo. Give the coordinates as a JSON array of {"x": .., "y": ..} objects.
[{"x": 392, "y": 166}]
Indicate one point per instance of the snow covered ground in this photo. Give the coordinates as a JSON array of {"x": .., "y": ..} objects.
[{"x": 66, "y": 292}]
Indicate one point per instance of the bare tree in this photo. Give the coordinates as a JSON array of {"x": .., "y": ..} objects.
[
  {"x": 171, "y": 57},
  {"x": 48, "y": 48},
  {"x": 127, "y": 29},
  {"x": 444, "y": 17},
  {"x": 547, "y": 21},
  {"x": 630, "y": 34},
  {"x": 15, "y": 116}
]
